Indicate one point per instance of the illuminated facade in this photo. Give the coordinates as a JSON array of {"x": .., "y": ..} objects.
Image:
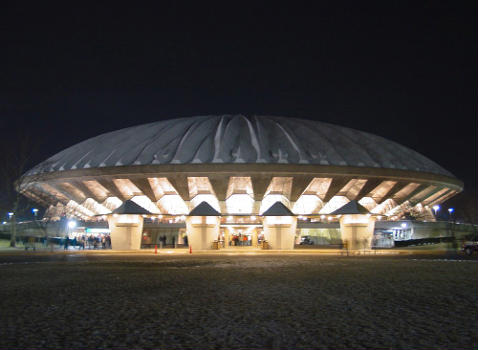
[{"x": 240, "y": 166}]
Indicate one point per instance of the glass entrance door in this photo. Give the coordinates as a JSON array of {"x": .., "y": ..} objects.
[{"x": 237, "y": 237}]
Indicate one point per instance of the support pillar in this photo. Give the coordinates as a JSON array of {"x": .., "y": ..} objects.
[
  {"x": 227, "y": 237},
  {"x": 254, "y": 238},
  {"x": 357, "y": 230},
  {"x": 126, "y": 231},
  {"x": 202, "y": 231},
  {"x": 279, "y": 231}
]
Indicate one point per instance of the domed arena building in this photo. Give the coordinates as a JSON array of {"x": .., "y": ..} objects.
[{"x": 236, "y": 180}]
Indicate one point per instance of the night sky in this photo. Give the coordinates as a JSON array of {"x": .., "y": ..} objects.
[{"x": 404, "y": 71}]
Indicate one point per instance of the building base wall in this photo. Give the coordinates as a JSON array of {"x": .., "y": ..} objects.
[
  {"x": 202, "y": 231},
  {"x": 280, "y": 235},
  {"x": 357, "y": 231},
  {"x": 126, "y": 231}
]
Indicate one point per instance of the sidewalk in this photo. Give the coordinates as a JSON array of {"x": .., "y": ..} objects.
[{"x": 56, "y": 249}]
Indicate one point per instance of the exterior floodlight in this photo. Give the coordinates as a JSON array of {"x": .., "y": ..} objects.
[
  {"x": 450, "y": 213},
  {"x": 404, "y": 224},
  {"x": 34, "y": 210},
  {"x": 10, "y": 215},
  {"x": 71, "y": 224}
]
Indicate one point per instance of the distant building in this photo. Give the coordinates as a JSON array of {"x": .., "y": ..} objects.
[{"x": 240, "y": 166}]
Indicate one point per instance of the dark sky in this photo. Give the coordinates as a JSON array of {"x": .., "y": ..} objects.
[{"x": 402, "y": 70}]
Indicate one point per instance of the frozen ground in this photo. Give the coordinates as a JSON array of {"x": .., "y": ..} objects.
[{"x": 77, "y": 301}]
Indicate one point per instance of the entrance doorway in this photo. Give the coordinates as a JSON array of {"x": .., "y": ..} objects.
[{"x": 237, "y": 237}]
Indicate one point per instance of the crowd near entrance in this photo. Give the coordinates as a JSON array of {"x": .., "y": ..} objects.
[
  {"x": 86, "y": 241},
  {"x": 240, "y": 236}
]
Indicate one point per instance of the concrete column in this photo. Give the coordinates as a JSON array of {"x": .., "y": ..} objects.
[
  {"x": 126, "y": 231},
  {"x": 254, "y": 238},
  {"x": 202, "y": 231},
  {"x": 180, "y": 239},
  {"x": 279, "y": 231},
  {"x": 256, "y": 207},
  {"x": 222, "y": 207},
  {"x": 357, "y": 230},
  {"x": 227, "y": 237}
]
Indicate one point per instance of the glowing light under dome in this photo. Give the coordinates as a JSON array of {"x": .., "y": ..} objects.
[
  {"x": 74, "y": 208},
  {"x": 271, "y": 199},
  {"x": 307, "y": 204},
  {"x": 384, "y": 207},
  {"x": 335, "y": 203},
  {"x": 208, "y": 198},
  {"x": 240, "y": 204},
  {"x": 173, "y": 204},
  {"x": 278, "y": 220},
  {"x": 368, "y": 202},
  {"x": 112, "y": 203},
  {"x": 146, "y": 203},
  {"x": 96, "y": 207}
]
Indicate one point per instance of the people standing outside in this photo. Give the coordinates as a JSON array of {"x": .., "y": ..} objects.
[
  {"x": 81, "y": 242},
  {"x": 67, "y": 243}
]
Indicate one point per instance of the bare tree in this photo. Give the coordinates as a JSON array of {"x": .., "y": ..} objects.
[{"x": 16, "y": 158}]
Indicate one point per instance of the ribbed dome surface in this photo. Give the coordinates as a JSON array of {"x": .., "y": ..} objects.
[{"x": 238, "y": 139}]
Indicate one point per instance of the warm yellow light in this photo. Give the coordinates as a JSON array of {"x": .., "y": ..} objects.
[
  {"x": 240, "y": 204},
  {"x": 335, "y": 203},
  {"x": 145, "y": 202},
  {"x": 208, "y": 198},
  {"x": 270, "y": 199},
  {"x": 173, "y": 204},
  {"x": 128, "y": 219},
  {"x": 211, "y": 220},
  {"x": 307, "y": 204},
  {"x": 278, "y": 220}
]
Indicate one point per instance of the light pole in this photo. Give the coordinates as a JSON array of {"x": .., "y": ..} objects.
[
  {"x": 436, "y": 208},
  {"x": 13, "y": 229},
  {"x": 71, "y": 225},
  {"x": 450, "y": 216},
  {"x": 35, "y": 213},
  {"x": 450, "y": 213}
]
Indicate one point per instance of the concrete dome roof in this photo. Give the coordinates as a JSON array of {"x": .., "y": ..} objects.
[{"x": 238, "y": 139}]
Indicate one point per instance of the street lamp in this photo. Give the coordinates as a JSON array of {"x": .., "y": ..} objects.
[
  {"x": 436, "y": 208},
  {"x": 71, "y": 224},
  {"x": 35, "y": 212},
  {"x": 450, "y": 213}
]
